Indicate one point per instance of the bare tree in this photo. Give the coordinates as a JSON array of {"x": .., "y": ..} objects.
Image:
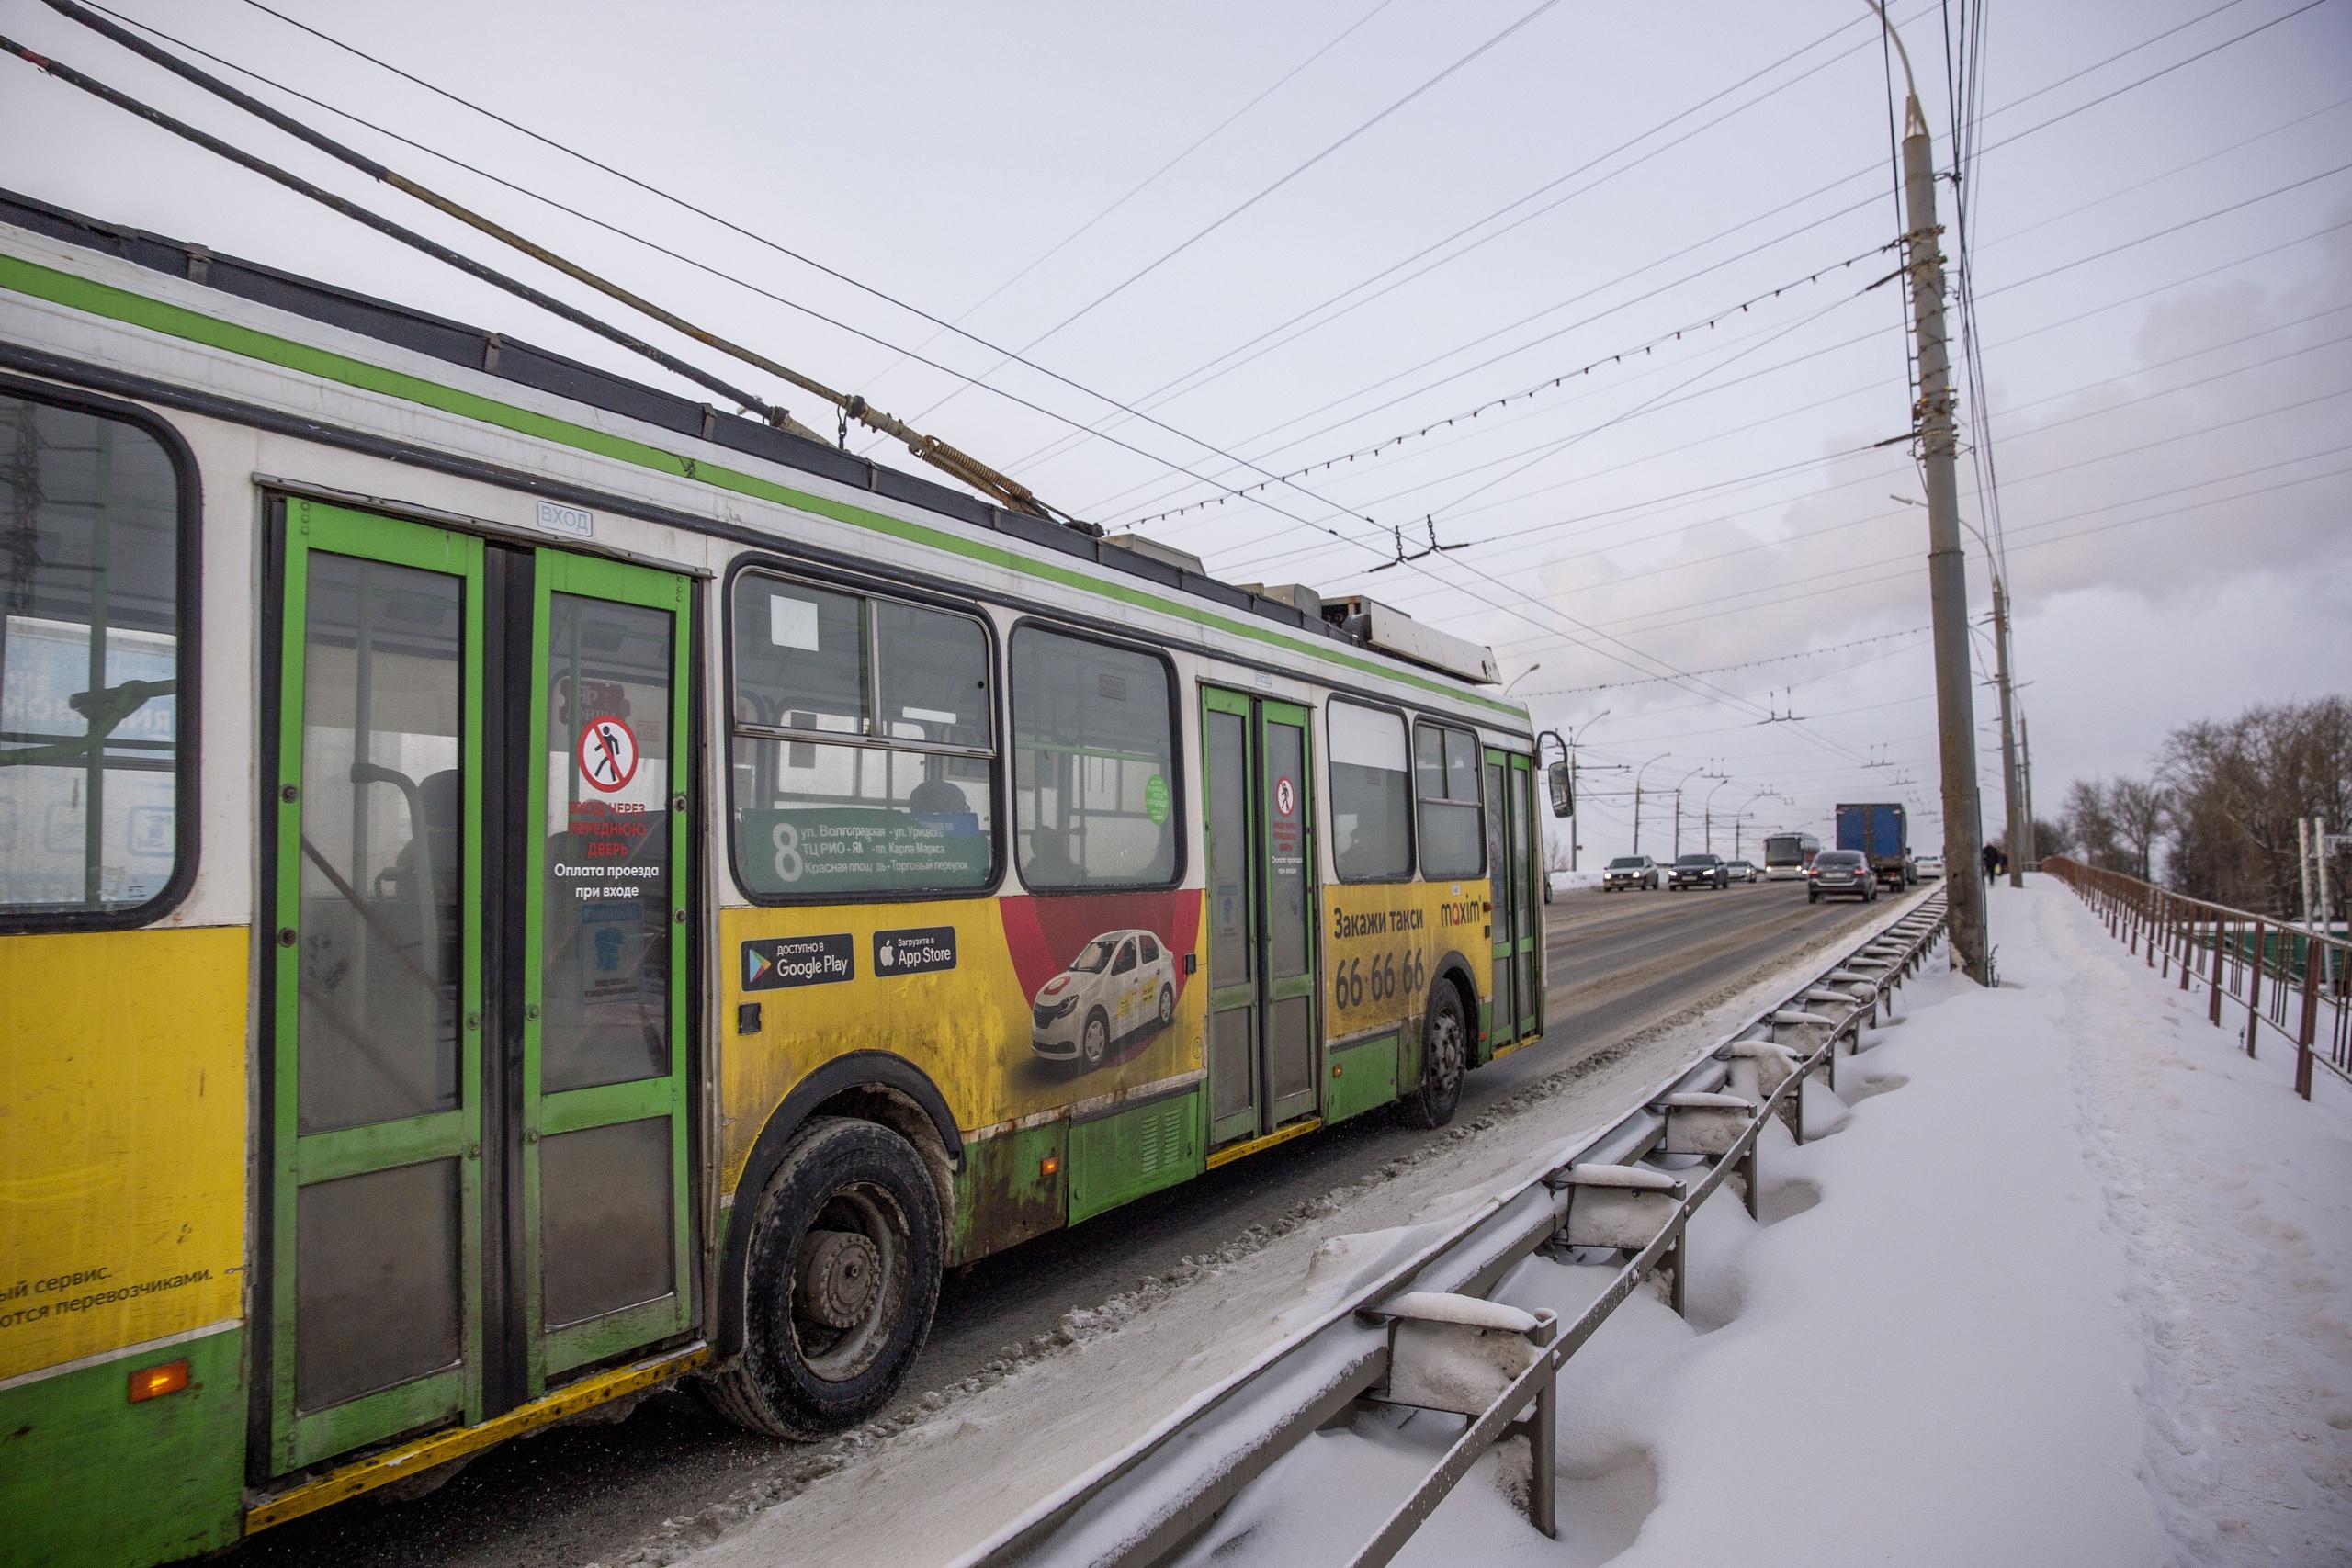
[
  {"x": 2091, "y": 821},
  {"x": 2137, "y": 810},
  {"x": 2236, "y": 788}
]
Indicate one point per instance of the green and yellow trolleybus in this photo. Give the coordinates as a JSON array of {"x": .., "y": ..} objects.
[{"x": 516, "y": 887}]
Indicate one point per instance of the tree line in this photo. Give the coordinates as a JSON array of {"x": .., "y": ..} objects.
[{"x": 2216, "y": 817}]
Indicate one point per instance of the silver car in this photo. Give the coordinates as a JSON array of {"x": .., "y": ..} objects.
[{"x": 1840, "y": 873}]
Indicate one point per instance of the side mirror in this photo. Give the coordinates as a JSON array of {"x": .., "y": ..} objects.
[{"x": 1563, "y": 790}]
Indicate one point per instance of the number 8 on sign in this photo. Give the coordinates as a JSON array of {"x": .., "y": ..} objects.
[{"x": 607, "y": 754}]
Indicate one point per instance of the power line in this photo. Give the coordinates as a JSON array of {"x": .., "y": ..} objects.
[
  {"x": 1152, "y": 398},
  {"x": 1724, "y": 669},
  {"x": 1136, "y": 189},
  {"x": 1639, "y": 350},
  {"x": 1160, "y": 394},
  {"x": 1655, "y": 404},
  {"x": 1203, "y": 233}
]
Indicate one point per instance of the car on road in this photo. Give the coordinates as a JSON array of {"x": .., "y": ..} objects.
[
  {"x": 1840, "y": 873},
  {"x": 1743, "y": 871},
  {"x": 1698, "y": 871},
  {"x": 1927, "y": 866},
  {"x": 1630, "y": 870}
]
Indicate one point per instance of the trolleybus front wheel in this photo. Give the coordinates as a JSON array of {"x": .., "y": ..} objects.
[
  {"x": 1445, "y": 1056},
  {"x": 840, "y": 1284}
]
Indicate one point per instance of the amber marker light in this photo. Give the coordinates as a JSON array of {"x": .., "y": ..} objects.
[
  {"x": 1050, "y": 1165},
  {"x": 154, "y": 1382}
]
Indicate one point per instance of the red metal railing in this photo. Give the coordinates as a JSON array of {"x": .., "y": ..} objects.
[{"x": 2276, "y": 972}]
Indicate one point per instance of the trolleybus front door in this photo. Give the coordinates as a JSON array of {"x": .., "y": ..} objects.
[
  {"x": 477, "y": 1107},
  {"x": 1263, "y": 991}
]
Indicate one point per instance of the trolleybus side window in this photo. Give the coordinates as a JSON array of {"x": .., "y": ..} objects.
[
  {"x": 92, "y": 735},
  {"x": 1371, "y": 793},
  {"x": 864, "y": 751},
  {"x": 1446, "y": 773},
  {"x": 1093, "y": 762}
]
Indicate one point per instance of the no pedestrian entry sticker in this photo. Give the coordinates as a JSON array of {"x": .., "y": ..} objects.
[
  {"x": 1285, "y": 796},
  {"x": 607, "y": 752}
]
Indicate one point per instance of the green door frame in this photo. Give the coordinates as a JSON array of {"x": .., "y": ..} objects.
[
  {"x": 455, "y": 1393},
  {"x": 545, "y": 1114},
  {"x": 298, "y": 1160},
  {"x": 1529, "y": 967},
  {"x": 1502, "y": 980},
  {"x": 1262, "y": 990},
  {"x": 1226, "y": 993}
]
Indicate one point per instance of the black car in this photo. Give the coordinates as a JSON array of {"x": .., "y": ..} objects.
[
  {"x": 1698, "y": 871},
  {"x": 1839, "y": 874},
  {"x": 1630, "y": 870}
]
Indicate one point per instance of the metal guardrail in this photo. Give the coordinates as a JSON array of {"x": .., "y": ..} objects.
[
  {"x": 1598, "y": 1206},
  {"x": 2256, "y": 962}
]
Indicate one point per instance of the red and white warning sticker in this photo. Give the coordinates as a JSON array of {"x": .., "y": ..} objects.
[{"x": 607, "y": 753}]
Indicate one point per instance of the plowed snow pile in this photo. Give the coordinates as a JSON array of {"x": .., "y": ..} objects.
[{"x": 2068, "y": 1284}]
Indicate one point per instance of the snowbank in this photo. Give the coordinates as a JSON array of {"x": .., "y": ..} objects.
[
  {"x": 1569, "y": 881},
  {"x": 2068, "y": 1285}
]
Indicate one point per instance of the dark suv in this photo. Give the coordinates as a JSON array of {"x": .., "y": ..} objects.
[
  {"x": 1698, "y": 871},
  {"x": 1630, "y": 870},
  {"x": 1838, "y": 874}
]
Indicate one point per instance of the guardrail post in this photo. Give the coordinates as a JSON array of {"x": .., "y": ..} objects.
[
  {"x": 2310, "y": 1031},
  {"x": 2254, "y": 991},
  {"x": 2221, "y": 933},
  {"x": 2185, "y": 924}
]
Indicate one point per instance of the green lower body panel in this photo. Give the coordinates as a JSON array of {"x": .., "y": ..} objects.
[
  {"x": 1121, "y": 1157},
  {"x": 1363, "y": 1078},
  {"x": 88, "y": 1478},
  {"x": 1011, "y": 1188}
]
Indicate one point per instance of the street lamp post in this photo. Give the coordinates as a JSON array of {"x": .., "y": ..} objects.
[
  {"x": 1946, "y": 559},
  {"x": 1710, "y": 816},
  {"x": 1677, "y": 807},
  {"x": 1575, "y": 833},
  {"x": 1743, "y": 811},
  {"x": 1661, "y": 757}
]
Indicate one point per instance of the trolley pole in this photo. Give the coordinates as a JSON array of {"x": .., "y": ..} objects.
[
  {"x": 1946, "y": 562},
  {"x": 2013, "y": 834}
]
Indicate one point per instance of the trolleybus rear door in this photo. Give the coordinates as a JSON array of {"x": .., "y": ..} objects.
[
  {"x": 1263, "y": 991},
  {"x": 606, "y": 1225},
  {"x": 1513, "y": 867}
]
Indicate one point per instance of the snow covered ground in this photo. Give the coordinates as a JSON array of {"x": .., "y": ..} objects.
[
  {"x": 2071, "y": 1284},
  {"x": 969, "y": 1459}
]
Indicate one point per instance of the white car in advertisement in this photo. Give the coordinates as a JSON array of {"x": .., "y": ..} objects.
[{"x": 1120, "y": 987}]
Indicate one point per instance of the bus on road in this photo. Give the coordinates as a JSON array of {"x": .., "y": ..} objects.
[
  {"x": 517, "y": 886},
  {"x": 1787, "y": 855}
]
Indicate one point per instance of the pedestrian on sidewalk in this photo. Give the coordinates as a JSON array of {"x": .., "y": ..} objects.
[{"x": 1992, "y": 858}]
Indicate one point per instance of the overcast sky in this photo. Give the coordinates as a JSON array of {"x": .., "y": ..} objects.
[{"x": 1304, "y": 230}]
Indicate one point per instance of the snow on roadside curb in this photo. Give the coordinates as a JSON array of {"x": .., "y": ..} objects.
[
  {"x": 960, "y": 1463},
  {"x": 2067, "y": 1287}
]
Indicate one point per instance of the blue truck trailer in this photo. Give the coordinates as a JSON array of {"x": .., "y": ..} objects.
[{"x": 1881, "y": 831}]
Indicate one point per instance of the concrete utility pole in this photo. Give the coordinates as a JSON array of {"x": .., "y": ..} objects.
[
  {"x": 2025, "y": 785},
  {"x": 2013, "y": 838},
  {"x": 1947, "y": 561}
]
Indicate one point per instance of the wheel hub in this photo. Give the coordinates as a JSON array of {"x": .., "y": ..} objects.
[{"x": 839, "y": 1273}]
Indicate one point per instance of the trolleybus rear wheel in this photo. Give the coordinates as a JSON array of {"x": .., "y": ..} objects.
[
  {"x": 1445, "y": 1055},
  {"x": 840, "y": 1284}
]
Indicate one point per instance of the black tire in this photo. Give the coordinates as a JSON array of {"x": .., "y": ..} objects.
[
  {"x": 1167, "y": 1006},
  {"x": 802, "y": 1374},
  {"x": 1445, "y": 1057},
  {"x": 1094, "y": 1044}
]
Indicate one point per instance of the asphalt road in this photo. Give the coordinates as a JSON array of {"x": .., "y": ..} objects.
[{"x": 1618, "y": 963}]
